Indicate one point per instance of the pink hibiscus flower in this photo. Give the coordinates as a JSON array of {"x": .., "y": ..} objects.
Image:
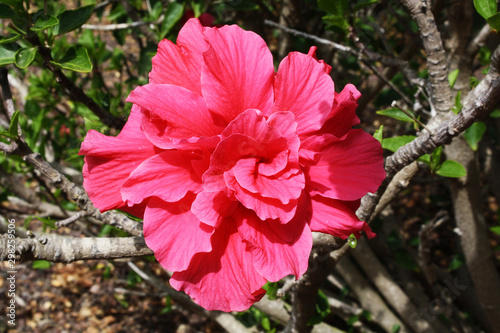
[{"x": 232, "y": 165}]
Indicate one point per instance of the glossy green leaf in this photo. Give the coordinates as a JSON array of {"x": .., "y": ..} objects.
[
  {"x": 44, "y": 22},
  {"x": 474, "y": 134},
  {"x": 486, "y": 8},
  {"x": 25, "y": 56},
  {"x": 70, "y": 20},
  {"x": 396, "y": 114},
  {"x": 451, "y": 169},
  {"x": 6, "y": 12},
  {"x": 396, "y": 142},
  {"x": 494, "y": 22},
  {"x": 173, "y": 14},
  {"x": 9, "y": 38},
  {"x": 379, "y": 134},
  {"x": 452, "y": 77},
  {"x": 76, "y": 59},
  {"x": 8, "y": 53}
]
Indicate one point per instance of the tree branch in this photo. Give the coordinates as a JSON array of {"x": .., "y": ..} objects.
[
  {"x": 441, "y": 94},
  {"x": 56, "y": 248}
]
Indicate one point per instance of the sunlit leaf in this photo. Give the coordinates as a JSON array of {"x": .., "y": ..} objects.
[
  {"x": 396, "y": 142},
  {"x": 379, "y": 134},
  {"x": 8, "y": 53},
  {"x": 9, "y": 38},
  {"x": 451, "y": 169},
  {"x": 76, "y": 59},
  {"x": 396, "y": 114},
  {"x": 25, "y": 56},
  {"x": 452, "y": 77},
  {"x": 44, "y": 22},
  {"x": 486, "y": 8},
  {"x": 41, "y": 264}
]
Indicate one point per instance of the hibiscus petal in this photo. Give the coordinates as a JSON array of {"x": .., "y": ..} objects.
[
  {"x": 168, "y": 176},
  {"x": 343, "y": 114},
  {"x": 277, "y": 187},
  {"x": 174, "y": 234},
  {"x": 224, "y": 279},
  {"x": 336, "y": 218},
  {"x": 265, "y": 208},
  {"x": 174, "y": 112},
  {"x": 273, "y": 255},
  {"x": 180, "y": 64},
  {"x": 238, "y": 72},
  {"x": 302, "y": 87},
  {"x": 211, "y": 207},
  {"x": 348, "y": 169},
  {"x": 110, "y": 160}
]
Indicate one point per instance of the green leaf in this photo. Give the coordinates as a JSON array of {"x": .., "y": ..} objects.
[
  {"x": 173, "y": 14},
  {"x": 486, "y": 8},
  {"x": 455, "y": 263},
  {"x": 266, "y": 323},
  {"x": 6, "y": 12},
  {"x": 40, "y": 264},
  {"x": 76, "y": 59},
  {"x": 396, "y": 114},
  {"x": 495, "y": 114},
  {"x": 352, "y": 240},
  {"x": 8, "y": 53},
  {"x": 379, "y": 134},
  {"x": 494, "y": 22},
  {"x": 14, "y": 124},
  {"x": 451, "y": 169},
  {"x": 426, "y": 158},
  {"x": 495, "y": 230},
  {"x": 271, "y": 289},
  {"x": 473, "y": 82},
  {"x": 25, "y": 56},
  {"x": 458, "y": 104},
  {"x": 47, "y": 222},
  {"x": 70, "y": 20},
  {"x": 394, "y": 143},
  {"x": 395, "y": 328},
  {"x": 474, "y": 134},
  {"x": 452, "y": 77},
  {"x": 9, "y": 38},
  {"x": 44, "y": 22},
  {"x": 436, "y": 158}
]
